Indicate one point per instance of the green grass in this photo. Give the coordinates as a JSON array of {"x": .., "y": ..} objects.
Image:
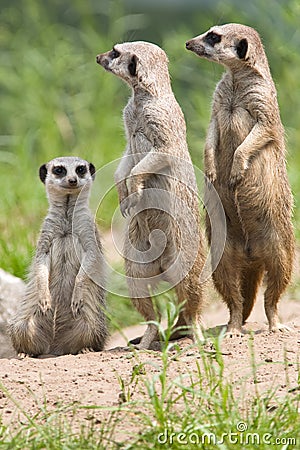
[{"x": 199, "y": 408}]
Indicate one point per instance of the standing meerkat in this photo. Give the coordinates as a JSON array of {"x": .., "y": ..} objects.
[
  {"x": 245, "y": 162},
  {"x": 63, "y": 307},
  {"x": 157, "y": 187}
]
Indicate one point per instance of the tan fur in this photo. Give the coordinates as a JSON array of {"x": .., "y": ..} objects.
[
  {"x": 63, "y": 307},
  {"x": 245, "y": 161},
  {"x": 157, "y": 187}
]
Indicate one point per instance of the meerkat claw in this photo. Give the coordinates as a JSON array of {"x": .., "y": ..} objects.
[
  {"x": 76, "y": 307},
  {"x": 280, "y": 327},
  {"x": 234, "y": 181}
]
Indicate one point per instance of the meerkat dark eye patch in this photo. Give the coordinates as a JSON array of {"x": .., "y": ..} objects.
[
  {"x": 59, "y": 171},
  {"x": 114, "y": 54},
  {"x": 212, "y": 38},
  {"x": 132, "y": 66},
  {"x": 242, "y": 48},
  {"x": 81, "y": 170}
]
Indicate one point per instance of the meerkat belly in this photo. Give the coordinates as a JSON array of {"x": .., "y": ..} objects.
[
  {"x": 66, "y": 255},
  {"x": 140, "y": 145},
  {"x": 261, "y": 193},
  {"x": 234, "y": 126},
  {"x": 152, "y": 234},
  {"x": 235, "y": 123}
]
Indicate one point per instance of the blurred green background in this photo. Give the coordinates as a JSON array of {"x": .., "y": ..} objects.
[{"x": 55, "y": 99}]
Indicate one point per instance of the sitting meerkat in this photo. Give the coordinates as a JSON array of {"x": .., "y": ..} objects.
[
  {"x": 245, "y": 161},
  {"x": 63, "y": 307},
  {"x": 157, "y": 188}
]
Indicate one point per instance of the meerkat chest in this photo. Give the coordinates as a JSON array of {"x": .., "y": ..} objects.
[
  {"x": 233, "y": 113},
  {"x": 132, "y": 118},
  {"x": 66, "y": 248},
  {"x": 65, "y": 228},
  {"x": 138, "y": 132},
  {"x": 65, "y": 255},
  {"x": 65, "y": 262}
]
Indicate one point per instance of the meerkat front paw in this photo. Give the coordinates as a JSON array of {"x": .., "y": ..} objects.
[
  {"x": 135, "y": 190},
  {"x": 238, "y": 170},
  {"x": 236, "y": 175},
  {"x": 235, "y": 180},
  {"x": 135, "y": 184},
  {"x": 129, "y": 203},
  {"x": 77, "y": 303},
  {"x": 211, "y": 175},
  {"x": 210, "y": 178},
  {"x": 45, "y": 302}
]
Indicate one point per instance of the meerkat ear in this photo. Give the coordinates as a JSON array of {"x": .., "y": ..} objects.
[
  {"x": 92, "y": 170},
  {"x": 43, "y": 173},
  {"x": 132, "y": 65},
  {"x": 242, "y": 48}
]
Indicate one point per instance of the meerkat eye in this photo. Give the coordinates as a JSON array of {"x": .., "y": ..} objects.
[
  {"x": 81, "y": 170},
  {"x": 60, "y": 171},
  {"x": 212, "y": 38},
  {"x": 114, "y": 54}
]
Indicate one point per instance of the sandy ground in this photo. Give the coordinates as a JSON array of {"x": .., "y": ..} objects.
[{"x": 36, "y": 386}]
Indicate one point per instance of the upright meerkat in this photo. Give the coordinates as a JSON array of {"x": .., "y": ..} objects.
[
  {"x": 157, "y": 188},
  {"x": 245, "y": 162},
  {"x": 63, "y": 307}
]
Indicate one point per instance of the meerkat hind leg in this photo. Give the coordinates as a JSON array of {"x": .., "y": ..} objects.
[
  {"x": 188, "y": 323},
  {"x": 32, "y": 336},
  {"x": 145, "y": 307},
  {"x": 250, "y": 284},
  {"x": 275, "y": 286},
  {"x": 181, "y": 328},
  {"x": 78, "y": 336},
  {"x": 229, "y": 287}
]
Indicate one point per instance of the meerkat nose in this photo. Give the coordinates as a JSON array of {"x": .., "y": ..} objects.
[
  {"x": 72, "y": 181},
  {"x": 188, "y": 45}
]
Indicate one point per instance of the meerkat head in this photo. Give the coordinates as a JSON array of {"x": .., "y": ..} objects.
[
  {"x": 231, "y": 44},
  {"x": 141, "y": 64},
  {"x": 67, "y": 175}
]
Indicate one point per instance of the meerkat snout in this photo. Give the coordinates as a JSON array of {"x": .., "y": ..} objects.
[
  {"x": 195, "y": 45},
  {"x": 104, "y": 60},
  {"x": 72, "y": 181}
]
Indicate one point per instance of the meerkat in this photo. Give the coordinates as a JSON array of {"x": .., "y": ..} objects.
[
  {"x": 63, "y": 309},
  {"x": 245, "y": 162},
  {"x": 157, "y": 188}
]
